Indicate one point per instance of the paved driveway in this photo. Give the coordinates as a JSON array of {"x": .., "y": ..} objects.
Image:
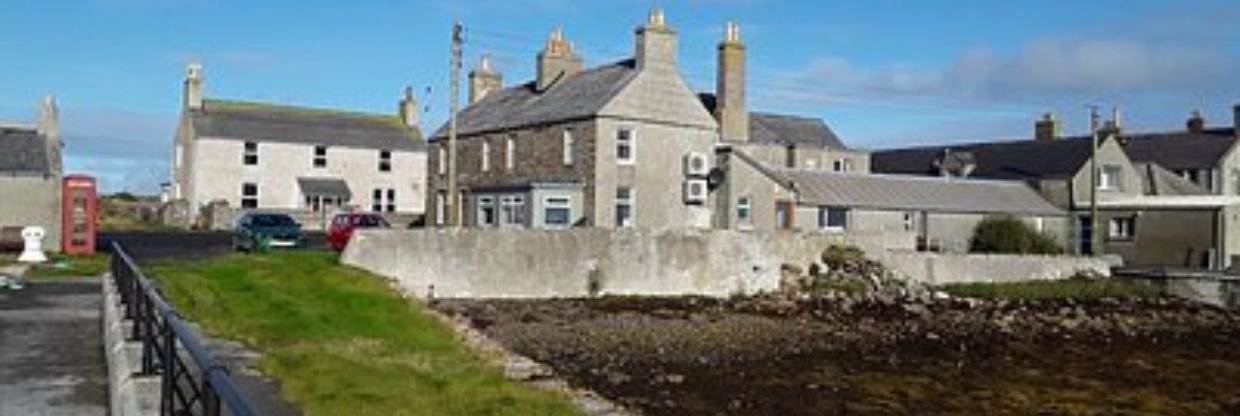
[{"x": 51, "y": 349}]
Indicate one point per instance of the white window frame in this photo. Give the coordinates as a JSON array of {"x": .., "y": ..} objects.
[
  {"x": 1122, "y": 228},
  {"x": 319, "y": 161},
  {"x": 443, "y": 159},
  {"x": 558, "y": 202},
  {"x": 512, "y": 211},
  {"x": 824, "y": 219},
  {"x": 510, "y": 153},
  {"x": 1109, "y": 177},
  {"x": 246, "y": 196},
  {"x": 910, "y": 221},
  {"x": 630, "y": 201},
  {"x": 567, "y": 140},
  {"x": 486, "y": 155},
  {"x": 385, "y": 163},
  {"x": 391, "y": 200},
  {"x": 249, "y": 150},
  {"x": 486, "y": 203},
  {"x": 376, "y": 200},
  {"x": 744, "y": 212},
  {"x": 630, "y": 142},
  {"x": 441, "y": 206}
]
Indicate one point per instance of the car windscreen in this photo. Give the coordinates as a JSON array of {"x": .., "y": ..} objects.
[
  {"x": 273, "y": 221},
  {"x": 369, "y": 221}
]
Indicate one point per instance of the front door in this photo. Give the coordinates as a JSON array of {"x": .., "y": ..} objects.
[{"x": 1086, "y": 235}]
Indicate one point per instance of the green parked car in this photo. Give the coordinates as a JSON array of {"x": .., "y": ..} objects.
[{"x": 259, "y": 232}]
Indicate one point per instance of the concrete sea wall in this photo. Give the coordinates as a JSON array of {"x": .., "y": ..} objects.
[{"x": 472, "y": 263}]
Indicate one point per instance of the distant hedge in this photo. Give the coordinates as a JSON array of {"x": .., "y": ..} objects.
[{"x": 1007, "y": 234}]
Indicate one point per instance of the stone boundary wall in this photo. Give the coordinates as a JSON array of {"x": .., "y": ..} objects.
[
  {"x": 473, "y": 263},
  {"x": 940, "y": 268},
  {"x": 128, "y": 394}
]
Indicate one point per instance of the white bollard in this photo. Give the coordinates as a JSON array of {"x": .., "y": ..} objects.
[{"x": 34, "y": 245}]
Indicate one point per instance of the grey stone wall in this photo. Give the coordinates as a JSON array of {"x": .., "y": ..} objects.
[
  {"x": 539, "y": 157},
  {"x": 32, "y": 201}
]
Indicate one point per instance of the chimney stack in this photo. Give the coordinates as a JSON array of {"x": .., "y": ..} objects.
[
  {"x": 193, "y": 87},
  {"x": 557, "y": 61},
  {"x": 1047, "y": 128},
  {"x": 656, "y": 44},
  {"x": 1235, "y": 120},
  {"x": 1112, "y": 127},
  {"x": 408, "y": 109},
  {"x": 49, "y": 128},
  {"x": 730, "y": 87},
  {"x": 483, "y": 80},
  {"x": 1196, "y": 123}
]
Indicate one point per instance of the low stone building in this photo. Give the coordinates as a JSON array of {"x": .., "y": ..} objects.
[
  {"x": 30, "y": 179},
  {"x": 304, "y": 161},
  {"x": 624, "y": 144},
  {"x": 940, "y": 213},
  {"x": 1165, "y": 199}
]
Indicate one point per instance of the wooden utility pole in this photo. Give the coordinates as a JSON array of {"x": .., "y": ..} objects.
[
  {"x": 1093, "y": 181},
  {"x": 452, "y": 201}
]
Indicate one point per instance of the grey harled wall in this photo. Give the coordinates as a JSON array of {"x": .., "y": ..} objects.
[
  {"x": 516, "y": 263},
  {"x": 474, "y": 263}
]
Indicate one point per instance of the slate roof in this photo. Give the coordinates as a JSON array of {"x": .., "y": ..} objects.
[
  {"x": 917, "y": 193},
  {"x": 784, "y": 129},
  {"x": 1157, "y": 180},
  {"x": 579, "y": 96},
  {"x": 1017, "y": 159},
  {"x": 1181, "y": 150},
  {"x": 278, "y": 123},
  {"x": 331, "y": 187},
  {"x": 22, "y": 151},
  {"x": 1027, "y": 158}
]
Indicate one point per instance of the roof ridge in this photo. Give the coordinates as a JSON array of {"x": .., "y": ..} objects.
[
  {"x": 246, "y": 104},
  {"x": 896, "y": 176}
]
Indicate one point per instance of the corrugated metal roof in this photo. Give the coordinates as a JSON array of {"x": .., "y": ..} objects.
[
  {"x": 913, "y": 193},
  {"x": 277, "y": 123},
  {"x": 22, "y": 151}
]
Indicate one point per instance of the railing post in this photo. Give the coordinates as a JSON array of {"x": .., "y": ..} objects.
[
  {"x": 210, "y": 400},
  {"x": 169, "y": 377}
]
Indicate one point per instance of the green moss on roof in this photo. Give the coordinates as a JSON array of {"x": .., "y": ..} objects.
[{"x": 297, "y": 111}]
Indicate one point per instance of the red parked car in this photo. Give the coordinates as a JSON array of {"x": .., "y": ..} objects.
[{"x": 343, "y": 225}]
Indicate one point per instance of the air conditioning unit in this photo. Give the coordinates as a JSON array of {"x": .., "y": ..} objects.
[
  {"x": 695, "y": 191},
  {"x": 696, "y": 165}
]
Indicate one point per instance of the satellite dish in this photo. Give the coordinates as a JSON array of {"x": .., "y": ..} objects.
[{"x": 715, "y": 178}]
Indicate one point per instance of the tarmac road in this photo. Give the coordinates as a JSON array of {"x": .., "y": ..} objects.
[
  {"x": 147, "y": 246},
  {"x": 51, "y": 349}
]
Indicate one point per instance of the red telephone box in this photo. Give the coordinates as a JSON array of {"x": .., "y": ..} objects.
[{"x": 79, "y": 214}]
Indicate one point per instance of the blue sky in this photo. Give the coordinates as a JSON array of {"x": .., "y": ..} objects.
[{"x": 882, "y": 73}]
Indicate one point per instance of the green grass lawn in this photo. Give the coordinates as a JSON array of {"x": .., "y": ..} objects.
[
  {"x": 341, "y": 342},
  {"x": 75, "y": 266},
  {"x": 1075, "y": 289}
]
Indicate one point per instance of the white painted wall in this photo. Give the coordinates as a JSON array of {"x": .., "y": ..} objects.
[{"x": 218, "y": 172}]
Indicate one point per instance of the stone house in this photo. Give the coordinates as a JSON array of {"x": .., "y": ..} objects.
[
  {"x": 939, "y": 213},
  {"x": 624, "y": 144},
  {"x": 304, "y": 161},
  {"x": 30, "y": 178},
  {"x": 1165, "y": 199}
]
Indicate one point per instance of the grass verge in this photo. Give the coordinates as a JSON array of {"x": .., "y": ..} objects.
[
  {"x": 1075, "y": 289},
  {"x": 341, "y": 342}
]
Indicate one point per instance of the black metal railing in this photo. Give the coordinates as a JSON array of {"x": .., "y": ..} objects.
[{"x": 192, "y": 382}]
